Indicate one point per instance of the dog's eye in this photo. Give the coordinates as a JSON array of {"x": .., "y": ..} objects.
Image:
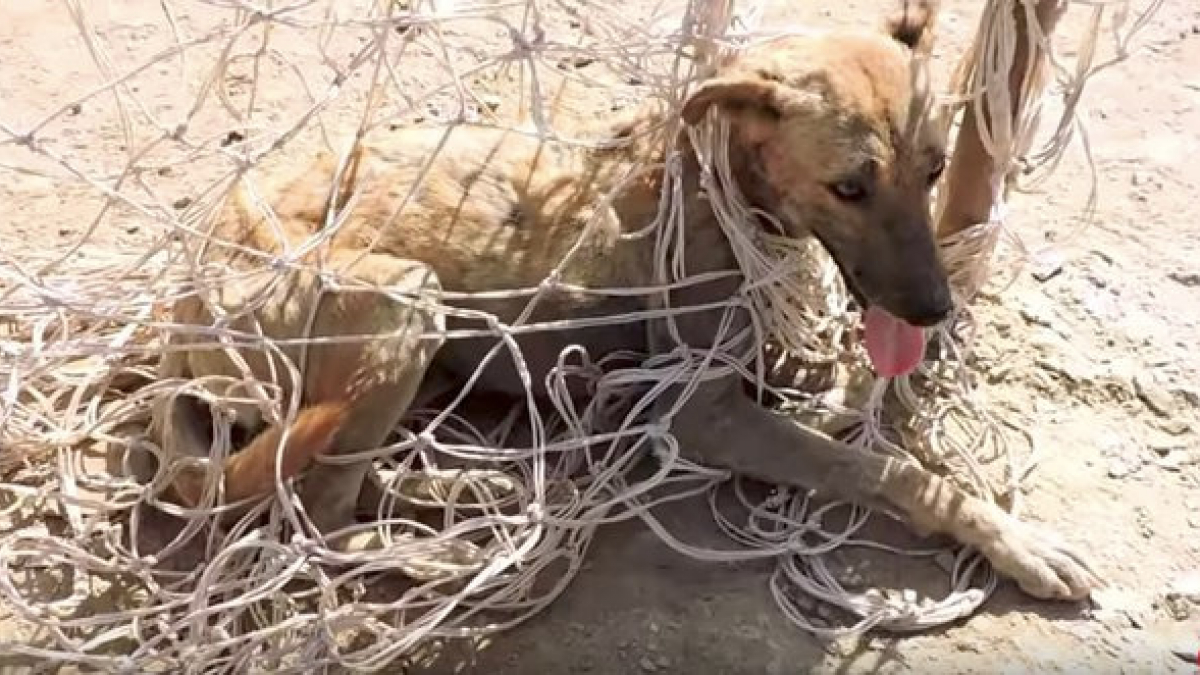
[
  {"x": 849, "y": 190},
  {"x": 936, "y": 172}
]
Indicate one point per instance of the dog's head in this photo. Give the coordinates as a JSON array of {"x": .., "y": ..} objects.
[{"x": 835, "y": 136}]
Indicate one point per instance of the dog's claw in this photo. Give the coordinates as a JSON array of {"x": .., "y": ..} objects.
[{"x": 1041, "y": 566}]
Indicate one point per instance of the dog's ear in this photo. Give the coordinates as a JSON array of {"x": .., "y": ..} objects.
[
  {"x": 744, "y": 94},
  {"x": 912, "y": 24}
]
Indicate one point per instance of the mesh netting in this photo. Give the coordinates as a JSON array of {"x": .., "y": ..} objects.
[{"x": 98, "y": 570}]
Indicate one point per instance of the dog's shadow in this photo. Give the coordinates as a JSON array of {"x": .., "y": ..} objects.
[{"x": 639, "y": 606}]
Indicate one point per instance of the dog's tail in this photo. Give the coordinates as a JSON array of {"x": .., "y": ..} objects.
[{"x": 251, "y": 471}]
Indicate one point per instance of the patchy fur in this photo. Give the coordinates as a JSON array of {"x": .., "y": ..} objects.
[{"x": 830, "y": 134}]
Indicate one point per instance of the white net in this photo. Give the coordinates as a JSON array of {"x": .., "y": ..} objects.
[{"x": 101, "y": 573}]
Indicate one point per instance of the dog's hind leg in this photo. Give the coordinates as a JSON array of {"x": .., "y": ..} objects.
[
  {"x": 968, "y": 186},
  {"x": 371, "y": 339},
  {"x": 397, "y": 329}
]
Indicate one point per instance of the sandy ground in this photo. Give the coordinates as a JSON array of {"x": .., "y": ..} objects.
[{"x": 1099, "y": 360}]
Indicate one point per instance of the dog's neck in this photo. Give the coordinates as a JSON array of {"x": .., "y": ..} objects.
[{"x": 633, "y": 160}]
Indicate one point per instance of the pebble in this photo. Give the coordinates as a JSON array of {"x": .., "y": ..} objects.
[
  {"x": 1068, "y": 365},
  {"x": 1182, "y": 595},
  {"x": 1119, "y": 467},
  {"x": 1190, "y": 395},
  {"x": 1120, "y": 607},
  {"x": 1173, "y": 426},
  {"x": 1157, "y": 399},
  {"x": 1038, "y": 313},
  {"x": 1189, "y": 279},
  {"x": 1047, "y": 265},
  {"x": 1174, "y": 460},
  {"x": 648, "y": 665}
]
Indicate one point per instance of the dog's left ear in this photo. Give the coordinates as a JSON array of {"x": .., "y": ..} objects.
[
  {"x": 741, "y": 94},
  {"x": 912, "y": 25}
]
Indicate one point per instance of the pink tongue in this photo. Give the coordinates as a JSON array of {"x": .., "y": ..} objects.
[{"x": 894, "y": 345}]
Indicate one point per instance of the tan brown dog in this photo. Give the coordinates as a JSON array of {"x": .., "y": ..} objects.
[{"x": 830, "y": 134}]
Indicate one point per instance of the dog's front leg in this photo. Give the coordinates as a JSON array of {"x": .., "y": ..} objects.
[{"x": 720, "y": 426}]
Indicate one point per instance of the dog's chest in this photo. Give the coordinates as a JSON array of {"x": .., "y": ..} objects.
[{"x": 587, "y": 326}]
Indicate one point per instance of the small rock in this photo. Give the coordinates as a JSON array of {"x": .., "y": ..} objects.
[
  {"x": 843, "y": 647},
  {"x": 1000, "y": 372},
  {"x": 1119, "y": 467},
  {"x": 1157, "y": 399},
  {"x": 1039, "y": 314},
  {"x": 1120, "y": 607},
  {"x": 1177, "y": 607},
  {"x": 1182, "y": 596},
  {"x": 968, "y": 645},
  {"x": 1190, "y": 279},
  {"x": 1069, "y": 366},
  {"x": 75, "y": 109},
  {"x": 1173, "y": 426},
  {"x": 1172, "y": 461},
  {"x": 232, "y": 137},
  {"x": 1047, "y": 265},
  {"x": 647, "y": 665},
  {"x": 1190, "y": 395}
]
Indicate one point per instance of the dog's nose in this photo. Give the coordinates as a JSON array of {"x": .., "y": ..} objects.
[
  {"x": 929, "y": 317},
  {"x": 933, "y": 311}
]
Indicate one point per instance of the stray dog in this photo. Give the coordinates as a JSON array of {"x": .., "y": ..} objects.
[{"x": 829, "y": 134}]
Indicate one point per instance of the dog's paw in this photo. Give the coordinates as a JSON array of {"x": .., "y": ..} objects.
[{"x": 1040, "y": 564}]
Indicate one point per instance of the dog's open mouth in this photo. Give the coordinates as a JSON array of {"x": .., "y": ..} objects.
[{"x": 895, "y": 346}]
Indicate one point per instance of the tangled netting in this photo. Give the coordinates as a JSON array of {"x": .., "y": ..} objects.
[{"x": 235, "y": 85}]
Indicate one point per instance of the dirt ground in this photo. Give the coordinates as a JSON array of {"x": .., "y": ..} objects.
[{"x": 1096, "y": 354}]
